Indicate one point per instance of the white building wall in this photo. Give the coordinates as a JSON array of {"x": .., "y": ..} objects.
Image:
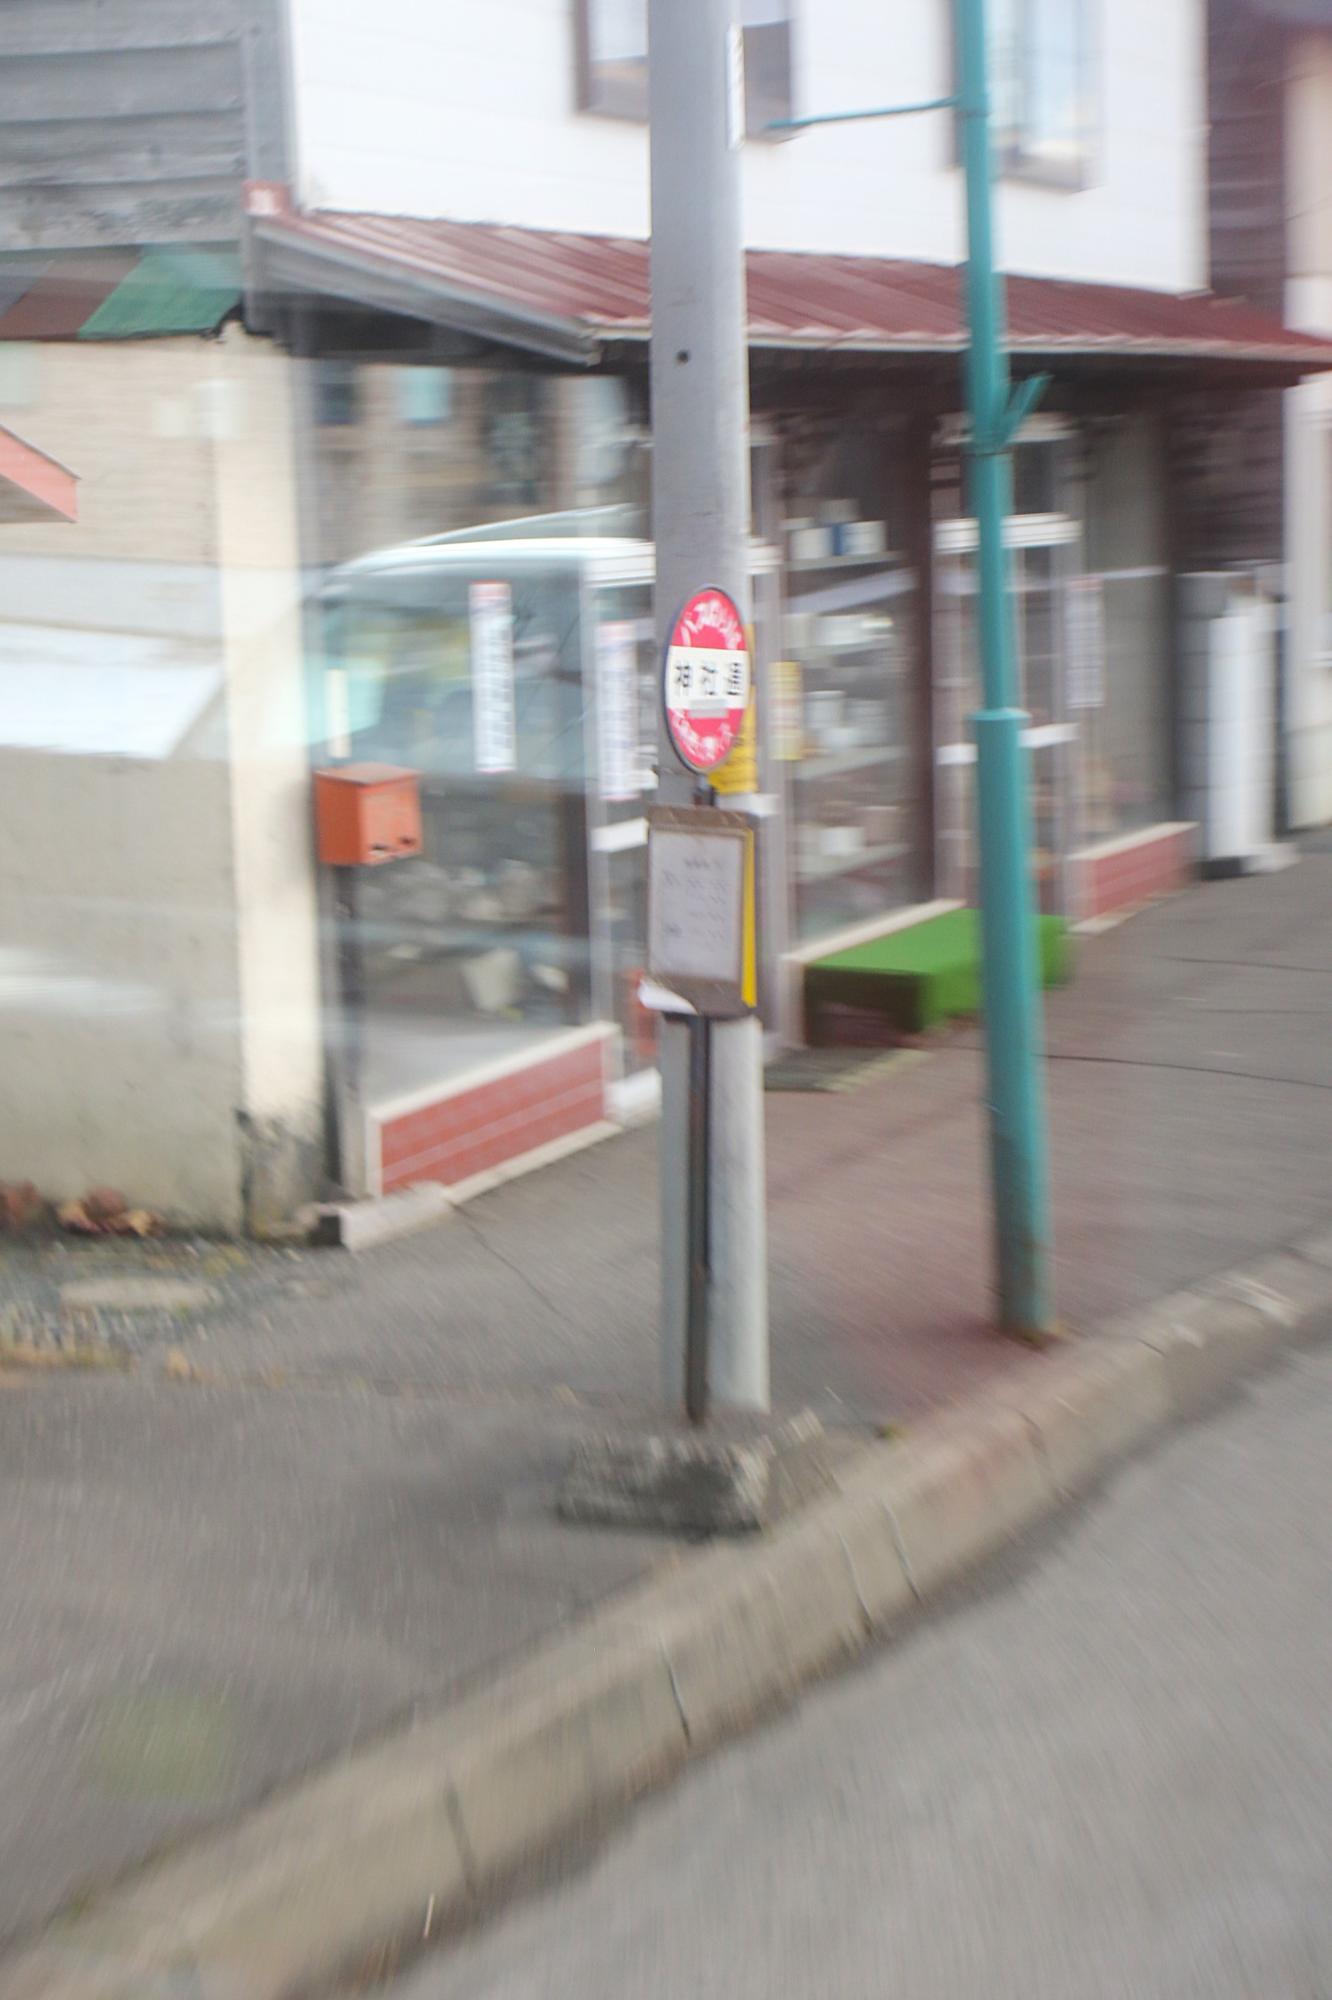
[
  {"x": 259, "y": 575},
  {"x": 1309, "y": 435},
  {"x": 158, "y": 972},
  {"x": 416, "y": 108}
]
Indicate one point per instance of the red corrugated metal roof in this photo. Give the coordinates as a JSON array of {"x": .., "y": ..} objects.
[
  {"x": 598, "y": 286},
  {"x": 64, "y": 293},
  {"x": 33, "y": 485}
]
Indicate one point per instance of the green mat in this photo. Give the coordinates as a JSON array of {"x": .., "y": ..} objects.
[{"x": 925, "y": 974}]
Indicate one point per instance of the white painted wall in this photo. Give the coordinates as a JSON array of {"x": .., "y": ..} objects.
[
  {"x": 1309, "y": 435},
  {"x": 420, "y": 108},
  {"x": 276, "y": 914},
  {"x": 159, "y": 1005}
]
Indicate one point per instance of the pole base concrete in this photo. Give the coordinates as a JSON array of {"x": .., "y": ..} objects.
[{"x": 736, "y": 1477}]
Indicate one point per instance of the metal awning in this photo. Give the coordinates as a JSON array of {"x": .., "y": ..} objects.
[
  {"x": 34, "y": 486},
  {"x": 139, "y": 294},
  {"x": 574, "y": 297}
]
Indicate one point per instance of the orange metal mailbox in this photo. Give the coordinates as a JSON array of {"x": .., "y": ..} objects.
[{"x": 366, "y": 814}]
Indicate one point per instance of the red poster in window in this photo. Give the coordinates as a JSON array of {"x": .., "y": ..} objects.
[{"x": 705, "y": 680}]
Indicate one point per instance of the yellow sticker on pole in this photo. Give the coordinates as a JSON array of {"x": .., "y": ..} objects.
[{"x": 739, "y": 772}]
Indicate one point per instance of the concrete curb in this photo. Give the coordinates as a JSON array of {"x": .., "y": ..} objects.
[
  {"x": 364, "y": 1225},
  {"x": 362, "y": 1855}
]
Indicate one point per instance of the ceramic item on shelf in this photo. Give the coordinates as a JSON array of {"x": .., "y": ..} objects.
[
  {"x": 862, "y": 539},
  {"x": 811, "y": 544}
]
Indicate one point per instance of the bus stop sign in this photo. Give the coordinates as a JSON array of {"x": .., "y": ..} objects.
[{"x": 705, "y": 680}]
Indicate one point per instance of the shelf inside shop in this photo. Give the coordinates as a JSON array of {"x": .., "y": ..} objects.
[
  {"x": 822, "y": 867},
  {"x": 840, "y": 763},
  {"x": 881, "y": 559}
]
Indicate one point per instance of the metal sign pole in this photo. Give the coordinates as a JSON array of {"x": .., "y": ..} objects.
[
  {"x": 1018, "y": 1164},
  {"x": 700, "y": 499},
  {"x": 696, "y": 1322}
]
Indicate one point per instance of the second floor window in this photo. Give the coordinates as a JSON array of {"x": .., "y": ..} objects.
[
  {"x": 612, "y": 59},
  {"x": 1042, "y": 68},
  {"x": 335, "y": 397},
  {"x": 425, "y": 395}
]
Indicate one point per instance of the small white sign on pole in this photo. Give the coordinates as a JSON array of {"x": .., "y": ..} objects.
[
  {"x": 493, "y": 727},
  {"x": 697, "y": 908},
  {"x": 700, "y": 932}
]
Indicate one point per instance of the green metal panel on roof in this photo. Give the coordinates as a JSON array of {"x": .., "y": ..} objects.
[{"x": 170, "y": 290}]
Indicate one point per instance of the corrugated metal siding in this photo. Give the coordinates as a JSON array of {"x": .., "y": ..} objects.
[
  {"x": 601, "y": 285},
  {"x": 1235, "y": 491},
  {"x": 134, "y": 121},
  {"x": 1246, "y": 60}
]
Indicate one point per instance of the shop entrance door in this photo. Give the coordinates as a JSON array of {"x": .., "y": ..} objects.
[{"x": 1045, "y": 557}]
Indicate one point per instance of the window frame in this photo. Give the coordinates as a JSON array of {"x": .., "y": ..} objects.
[
  {"x": 411, "y": 410},
  {"x": 1013, "y": 158},
  {"x": 626, "y": 102},
  {"x": 337, "y": 401}
]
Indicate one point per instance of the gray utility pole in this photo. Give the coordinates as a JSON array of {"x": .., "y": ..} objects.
[{"x": 700, "y": 504}]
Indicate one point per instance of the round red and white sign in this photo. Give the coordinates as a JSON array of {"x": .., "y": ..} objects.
[{"x": 705, "y": 680}]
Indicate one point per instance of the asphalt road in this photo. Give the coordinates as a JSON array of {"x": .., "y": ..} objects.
[
  {"x": 1103, "y": 1774},
  {"x": 339, "y": 1513}
]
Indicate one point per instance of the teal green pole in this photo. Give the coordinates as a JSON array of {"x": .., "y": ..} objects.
[{"x": 1010, "y": 984}]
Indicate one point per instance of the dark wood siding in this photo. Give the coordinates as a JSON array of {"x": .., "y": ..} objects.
[
  {"x": 1231, "y": 457},
  {"x": 135, "y": 121},
  {"x": 1246, "y": 109}
]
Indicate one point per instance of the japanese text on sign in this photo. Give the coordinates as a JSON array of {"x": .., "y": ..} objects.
[{"x": 707, "y": 683}]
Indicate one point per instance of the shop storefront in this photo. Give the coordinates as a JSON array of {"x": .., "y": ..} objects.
[
  {"x": 511, "y": 665},
  {"x": 514, "y": 671},
  {"x": 849, "y": 688},
  {"x": 1091, "y": 586},
  {"x": 509, "y": 661}
]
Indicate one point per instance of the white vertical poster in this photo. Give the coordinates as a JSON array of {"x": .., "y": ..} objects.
[
  {"x": 617, "y": 709},
  {"x": 493, "y": 733},
  {"x": 1086, "y": 643}
]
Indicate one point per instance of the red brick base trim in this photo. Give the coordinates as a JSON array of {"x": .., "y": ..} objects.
[
  {"x": 474, "y": 1128},
  {"x": 1122, "y": 873}
]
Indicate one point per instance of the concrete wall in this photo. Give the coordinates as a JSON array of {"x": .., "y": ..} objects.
[
  {"x": 421, "y": 109},
  {"x": 157, "y": 970},
  {"x": 1309, "y": 435}
]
